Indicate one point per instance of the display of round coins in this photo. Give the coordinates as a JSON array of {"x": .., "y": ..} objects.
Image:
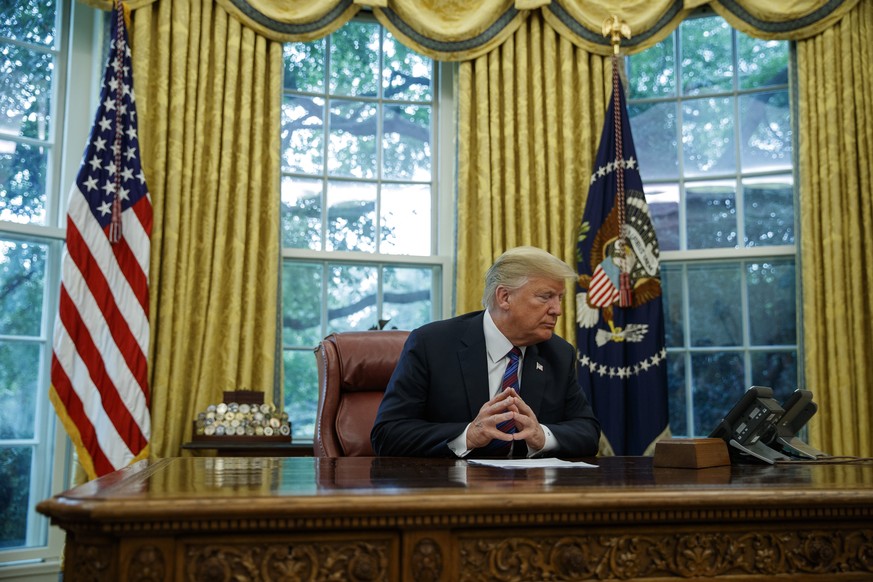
[{"x": 229, "y": 420}]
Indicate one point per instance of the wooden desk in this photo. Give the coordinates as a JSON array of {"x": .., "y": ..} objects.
[{"x": 245, "y": 518}]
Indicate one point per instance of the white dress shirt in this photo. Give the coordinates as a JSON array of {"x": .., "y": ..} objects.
[{"x": 497, "y": 348}]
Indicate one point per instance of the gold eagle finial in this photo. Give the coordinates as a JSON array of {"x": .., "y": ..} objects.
[{"x": 615, "y": 28}]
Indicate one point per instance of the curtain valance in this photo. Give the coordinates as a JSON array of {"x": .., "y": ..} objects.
[{"x": 459, "y": 30}]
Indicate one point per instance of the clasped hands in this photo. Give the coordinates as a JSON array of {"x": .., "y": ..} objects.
[{"x": 506, "y": 405}]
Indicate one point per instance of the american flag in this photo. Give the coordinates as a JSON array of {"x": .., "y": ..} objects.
[{"x": 99, "y": 373}]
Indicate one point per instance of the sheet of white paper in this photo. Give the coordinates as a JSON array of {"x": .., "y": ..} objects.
[{"x": 530, "y": 463}]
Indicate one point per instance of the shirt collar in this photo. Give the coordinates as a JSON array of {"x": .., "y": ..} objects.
[{"x": 496, "y": 343}]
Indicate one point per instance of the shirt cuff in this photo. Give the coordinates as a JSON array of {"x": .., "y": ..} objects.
[
  {"x": 551, "y": 444},
  {"x": 458, "y": 445}
]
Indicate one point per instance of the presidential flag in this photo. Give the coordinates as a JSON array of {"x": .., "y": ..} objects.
[
  {"x": 622, "y": 359},
  {"x": 99, "y": 373}
]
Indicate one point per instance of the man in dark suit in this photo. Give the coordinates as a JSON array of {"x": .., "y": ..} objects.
[{"x": 448, "y": 397}]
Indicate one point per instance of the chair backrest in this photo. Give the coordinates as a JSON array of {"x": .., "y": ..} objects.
[{"x": 353, "y": 371}]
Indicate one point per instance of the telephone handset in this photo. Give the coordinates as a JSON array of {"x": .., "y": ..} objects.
[{"x": 799, "y": 408}]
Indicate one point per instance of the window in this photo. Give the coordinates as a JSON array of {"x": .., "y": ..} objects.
[
  {"x": 37, "y": 55},
  {"x": 363, "y": 229},
  {"x": 711, "y": 117}
]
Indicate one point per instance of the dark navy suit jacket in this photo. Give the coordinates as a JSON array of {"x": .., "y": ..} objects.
[{"x": 441, "y": 382}]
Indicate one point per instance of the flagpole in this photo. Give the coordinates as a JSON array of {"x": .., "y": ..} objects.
[{"x": 615, "y": 28}]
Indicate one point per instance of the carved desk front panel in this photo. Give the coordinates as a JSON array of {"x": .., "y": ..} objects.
[{"x": 261, "y": 518}]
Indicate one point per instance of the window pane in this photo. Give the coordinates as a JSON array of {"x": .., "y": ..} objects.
[
  {"x": 676, "y": 393},
  {"x": 772, "y": 303},
  {"x": 351, "y": 299},
  {"x": 718, "y": 384},
  {"x": 663, "y": 201},
  {"x": 406, "y": 142},
  {"x": 354, "y": 60},
  {"x": 671, "y": 285},
  {"x": 708, "y": 142},
  {"x": 407, "y": 74},
  {"x": 712, "y": 214},
  {"x": 351, "y": 216},
  {"x": 407, "y": 296},
  {"x": 352, "y": 146},
  {"x": 707, "y": 61},
  {"x": 303, "y": 134},
  {"x": 19, "y": 386},
  {"x": 301, "y": 303},
  {"x": 301, "y": 213},
  {"x": 301, "y": 392},
  {"x": 652, "y": 73},
  {"x": 29, "y": 21},
  {"x": 25, "y": 91},
  {"x": 22, "y": 282},
  {"x": 15, "y": 475},
  {"x": 765, "y": 131},
  {"x": 715, "y": 305},
  {"x": 768, "y": 205},
  {"x": 761, "y": 63},
  {"x": 23, "y": 188},
  {"x": 406, "y": 216},
  {"x": 776, "y": 370},
  {"x": 304, "y": 66},
  {"x": 654, "y": 131}
]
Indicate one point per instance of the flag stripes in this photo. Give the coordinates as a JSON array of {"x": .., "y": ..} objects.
[{"x": 99, "y": 372}]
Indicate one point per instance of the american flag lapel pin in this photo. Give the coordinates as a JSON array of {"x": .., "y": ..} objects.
[{"x": 539, "y": 367}]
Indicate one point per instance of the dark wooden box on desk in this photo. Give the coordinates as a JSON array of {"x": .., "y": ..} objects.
[{"x": 365, "y": 518}]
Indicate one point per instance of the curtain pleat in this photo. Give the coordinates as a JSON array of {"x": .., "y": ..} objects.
[
  {"x": 836, "y": 215},
  {"x": 208, "y": 92},
  {"x": 529, "y": 121}
]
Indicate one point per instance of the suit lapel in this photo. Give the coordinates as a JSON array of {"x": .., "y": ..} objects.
[
  {"x": 533, "y": 379},
  {"x": 474, "y": 368}
]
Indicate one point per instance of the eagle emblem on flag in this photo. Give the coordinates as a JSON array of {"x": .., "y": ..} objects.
[{"x": 634, "y": 255}]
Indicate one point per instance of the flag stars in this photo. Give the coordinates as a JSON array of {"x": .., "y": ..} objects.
[
  {"x": 105, "y": 124},
  {"x": 90, "y": 183},
  {"x": 131, "y": 133},
  {"x": 621, "y": 372},
  {"x": 126, "y": 174},
  {"x": 105, "y": 208},
  {"x": 109, "y": 187},
  {"x": 123, "y": 194},
  {"x": 141, "y": 177},
  {"x": 109, "y": 104},
  {"x": 100, "y": 144},
  {"x": 95, "y": 163},
  {"x": 111, "y": 168},
  {"x": 130, "y": 153}
]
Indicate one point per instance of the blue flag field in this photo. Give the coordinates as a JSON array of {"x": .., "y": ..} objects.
[{"x": 622, "y": 358}]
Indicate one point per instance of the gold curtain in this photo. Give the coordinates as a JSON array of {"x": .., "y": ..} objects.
[
  {"x": 836, "y": 238},
  {"x": 533, "y": 93},
  {"x": 208, "y": 97},
  {"x": 530, "y": 118}
]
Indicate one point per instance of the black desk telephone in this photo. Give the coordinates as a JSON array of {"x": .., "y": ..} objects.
[{"x": 759, "y": 428}]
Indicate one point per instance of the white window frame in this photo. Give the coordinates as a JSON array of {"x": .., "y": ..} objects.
[
  {"x": 741, "y": 253},
  {"x": 80, "y": 31},
  {"x": 443, "y": 210}
]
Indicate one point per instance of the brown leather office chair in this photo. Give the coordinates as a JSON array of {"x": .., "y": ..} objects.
[{"x": 353, "y": 371}]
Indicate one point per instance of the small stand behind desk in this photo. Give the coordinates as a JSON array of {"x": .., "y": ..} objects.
[{"x": 233, "y": 448}]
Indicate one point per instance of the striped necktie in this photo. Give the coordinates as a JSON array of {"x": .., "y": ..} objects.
[{"x": 510, "y": 380}]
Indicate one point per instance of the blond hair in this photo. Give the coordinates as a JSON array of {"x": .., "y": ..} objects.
[{"x": 518, "y": 265}]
